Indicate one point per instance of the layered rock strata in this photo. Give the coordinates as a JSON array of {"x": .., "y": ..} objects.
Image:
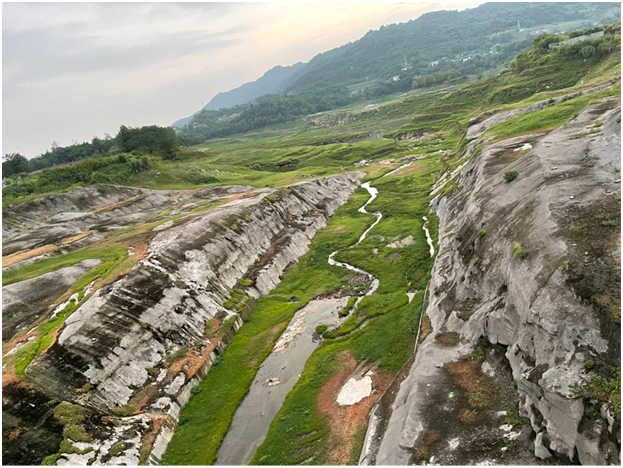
[
  {"x": 532, "y": 265},
  {"x": 119, "y": 339}
]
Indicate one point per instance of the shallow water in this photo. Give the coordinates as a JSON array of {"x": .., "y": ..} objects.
[{"x": 253, "y": 417}]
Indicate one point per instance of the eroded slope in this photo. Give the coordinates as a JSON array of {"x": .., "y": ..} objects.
[{"x": 532, "y": 266}]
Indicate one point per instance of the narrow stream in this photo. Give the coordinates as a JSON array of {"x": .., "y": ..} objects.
[{"x": 282, "y": 368}]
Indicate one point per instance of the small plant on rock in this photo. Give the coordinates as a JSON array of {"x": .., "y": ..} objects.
[
  {"x": 518, "y": 251},
  {"x": 509, "y": 176}
]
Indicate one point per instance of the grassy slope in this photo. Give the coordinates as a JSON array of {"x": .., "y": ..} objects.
[{"x": 206, "y": 418}]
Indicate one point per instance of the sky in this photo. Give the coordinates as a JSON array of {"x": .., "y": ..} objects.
[{"x": 71, "y": 71}]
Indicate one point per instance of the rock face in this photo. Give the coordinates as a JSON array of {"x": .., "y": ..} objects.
[
  {"x": 96, "y": 208},
  {"x": 24, "y": 301},
  {"x": 552, "y": 307},
  {"x": 118, "y": 340}
]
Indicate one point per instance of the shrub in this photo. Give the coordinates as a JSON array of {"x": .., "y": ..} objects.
[
  {"x": 518, "y": 251},
  {"x": 510, "y": 175},
  {"x": 589, "y": 364},
  {"x": 481, "y": 233}
]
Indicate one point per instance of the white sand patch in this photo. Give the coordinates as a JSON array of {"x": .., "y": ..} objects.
[
  {"x": 487, "y": 369},
  {"x": 403, "y": 243},
  {"x": 354, "y": 391}
]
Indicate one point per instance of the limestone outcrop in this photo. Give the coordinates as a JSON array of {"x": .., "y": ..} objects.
[
  {"x": 118, "y": 340},
  {"x": 531, "y": 266}
]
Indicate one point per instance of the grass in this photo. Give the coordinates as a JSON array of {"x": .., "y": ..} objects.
[
  {"x": 549, "y": 118},
  {"x": 111, "y": 256},
  {"x": 177, "y": 355},
  {"x": 349, "y": 305},
  {"x": 206, "y": 418},
  {"x": 607, "y": 390},
  {"x": 72, "y": 417}
]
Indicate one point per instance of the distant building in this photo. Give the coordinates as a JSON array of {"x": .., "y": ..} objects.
[
  {"x": 396, "y": 78},
  {"x": 573, "y": 40},
  {"x": 435, "y": 63},
  {"x": 536, "y": 32}
]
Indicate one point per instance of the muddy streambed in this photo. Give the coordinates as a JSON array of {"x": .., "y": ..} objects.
[
  {"x": 282, "y": 368},
  {"x": 276, "y": 377}
]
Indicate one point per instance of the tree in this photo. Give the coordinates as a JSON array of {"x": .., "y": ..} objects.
[
  {"x": 14, "y": 163},
  {"x": 152, "y": 138},
  {"x": 587, "y": 51}
]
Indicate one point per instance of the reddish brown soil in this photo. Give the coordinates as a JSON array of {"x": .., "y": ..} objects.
[
  {"x": 112, "y": 206},
  {"x": 481, "y": 391},
  {"x": 346, "y": 420},
  {"x": 190, "y": 192},
  {"x": 448, "y": 338},
  {"x": 69, "y": 240},
  {"x": 468, "y": 416},
  {"x": 426, "y": 328},
  {"x": 26, "y": 254}
]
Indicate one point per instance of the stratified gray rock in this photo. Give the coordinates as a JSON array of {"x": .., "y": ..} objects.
[
  {"x": 528, "y": 305},
  {"x": 166, "y": 302},
  {"x": 25, "y": 301},
  {"x": 102, "y": 208}
]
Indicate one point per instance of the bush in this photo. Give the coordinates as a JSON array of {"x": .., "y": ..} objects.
[
  {"x": 518, "y": 251},
  {"x": 481, "y": 233},
  {"x": 510, "y": 175}
]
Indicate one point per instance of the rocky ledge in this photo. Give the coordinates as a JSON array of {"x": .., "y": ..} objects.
[{"x": 528, "y": 270}]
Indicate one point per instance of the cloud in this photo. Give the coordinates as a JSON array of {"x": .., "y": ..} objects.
[{"x": 74, "y": 70}]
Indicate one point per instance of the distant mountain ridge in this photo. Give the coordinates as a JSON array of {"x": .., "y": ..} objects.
[
  {"x": 273, "y": 81},
  {"x": 387, "y": 60}
]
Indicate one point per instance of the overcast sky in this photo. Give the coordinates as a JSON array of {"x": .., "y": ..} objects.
[{"x": 71, "y": 71}]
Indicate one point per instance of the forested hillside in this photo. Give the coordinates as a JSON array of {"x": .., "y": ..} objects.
[
  {"x": 444, "y": 44},
  {"x": 446, "y": 39},
  {"x": 271, "y": 82}
]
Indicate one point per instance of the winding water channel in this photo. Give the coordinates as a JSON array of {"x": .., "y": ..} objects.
[{"x": 282, "y": 368}]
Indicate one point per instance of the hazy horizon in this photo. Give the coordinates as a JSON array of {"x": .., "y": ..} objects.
[{"x": 77, "y": 70}]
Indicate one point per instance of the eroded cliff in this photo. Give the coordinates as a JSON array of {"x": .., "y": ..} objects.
[
  {"x": 523, "y": 308},
  {"x": 143, "y": 341}
]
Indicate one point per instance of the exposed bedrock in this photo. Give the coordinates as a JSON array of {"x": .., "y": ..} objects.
[
  {"x": 165, "y": 303},
  {"x": 47, "y": 221},
  {"x": 25, "y": 301},
  {"x": 553, "y": 306}
]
